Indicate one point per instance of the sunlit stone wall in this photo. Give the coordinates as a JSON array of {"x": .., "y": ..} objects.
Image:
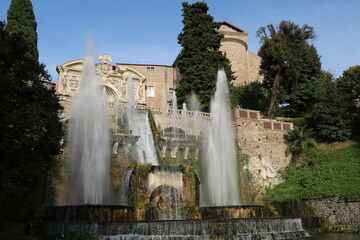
[{"x": 261, "y": 151}]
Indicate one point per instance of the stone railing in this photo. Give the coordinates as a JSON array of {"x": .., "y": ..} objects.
[
  {"x": 268, "y": 124},
  {"x": 158, "y": 110}
]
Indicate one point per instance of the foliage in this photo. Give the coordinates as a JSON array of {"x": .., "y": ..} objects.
[
  {"x": 21, "y": 21},
  {"x": 71, "y": 236},
  {"x": 30, "y": 129},
  {"x": 344, "y": 228},
  {"x": 349, "y": 84},
  {"x": 288, "y": 43},
  {"x": 330, "y": 172},
  {"x": 251, "y": 96},
  {"x": 299, "y": 140},
  {"x": 200, "y": 58},
  {"x": 330, "y": 117},
  {"x": 350, "y": 81},
  {"x": 154, "y": 129}
]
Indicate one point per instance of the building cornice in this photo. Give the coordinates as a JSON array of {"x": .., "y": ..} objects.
[{"x": 227, "y": 39}]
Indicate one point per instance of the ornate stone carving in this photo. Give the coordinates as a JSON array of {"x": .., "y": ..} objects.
[
  {"x": 109, "y": 75},
  {"x": 104, "y": 66},
  {"x": 105, "y": 58},
  {"x": 64, "y": 81}
]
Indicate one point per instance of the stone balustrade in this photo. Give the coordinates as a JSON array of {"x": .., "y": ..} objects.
[
  {"x": 267, "y": 124},
  {"x": 158, "y": 110}
]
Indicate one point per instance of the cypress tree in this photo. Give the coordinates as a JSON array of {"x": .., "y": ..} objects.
[
  {"x": 30, "y": 128},
  {"x": 21, "y": 21},
  {"x": 200, "y": 57}
]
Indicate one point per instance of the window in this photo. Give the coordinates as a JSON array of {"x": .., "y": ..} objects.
[
  {"x": 150, "y": 69},
  {"x": 151, "y": 91},
  {"x": 171, "y": 90}
]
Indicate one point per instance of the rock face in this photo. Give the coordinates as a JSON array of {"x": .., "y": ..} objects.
[{"x": 261, "y": 151}]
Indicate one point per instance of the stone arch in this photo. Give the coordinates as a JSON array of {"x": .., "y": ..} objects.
[
  {"x": 168, "y": 201},
  {"x": 111, "y": 91}
]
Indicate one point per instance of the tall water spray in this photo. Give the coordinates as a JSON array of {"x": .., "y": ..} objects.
[
  {"x": 195, "y": 106},
  {"x": 174, "y": 114},
  {"x": 184, "y": 121},
  {"x": 221, "y": 181},
  {"x": 89, "y": 139},
  {"x": 164, "y": 108},
  {"x": 118, "y": 105}
]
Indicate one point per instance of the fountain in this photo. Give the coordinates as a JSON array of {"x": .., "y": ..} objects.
[
  {"x": 221, "y": 180},
  {"x": 158, "y": 201},
  {"x": 89, "y": 139}
]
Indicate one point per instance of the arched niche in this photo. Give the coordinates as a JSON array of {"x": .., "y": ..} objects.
[{"x": 113, "y": 77}]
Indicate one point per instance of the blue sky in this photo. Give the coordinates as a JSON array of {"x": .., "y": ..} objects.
[{"x": 144, "y": 31}]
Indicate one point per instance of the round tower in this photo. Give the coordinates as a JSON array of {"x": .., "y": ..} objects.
[{"x": 235, "y": 45}]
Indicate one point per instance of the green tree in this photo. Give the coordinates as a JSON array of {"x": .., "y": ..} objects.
[
  {"x": 200, "y": 58},
  {"x": 30, "y": 129},
  {"x": 299, "y": 140},
  {"x": 250, "y": 96},
  {"x": 349, "y": 84},
  {"x": 331, "y": 114},
  {"x": 288, "y": 61},
  {"x": 350, "y": 81},
  {"x": 21, "y": 21}
]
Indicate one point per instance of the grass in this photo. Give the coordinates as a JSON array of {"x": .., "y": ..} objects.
[{"x": 328, "y": 170}]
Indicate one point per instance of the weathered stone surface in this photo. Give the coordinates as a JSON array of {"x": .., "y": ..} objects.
[
  {"x": 243, "y": 211},
  {"x": 262, "y": 152},
  {"x": 331, "y": 210}
]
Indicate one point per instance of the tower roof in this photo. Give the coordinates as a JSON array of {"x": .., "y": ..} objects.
[{"x": 233, "y": 27}]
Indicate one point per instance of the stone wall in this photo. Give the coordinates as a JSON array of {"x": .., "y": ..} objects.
[
  {"x": 331, "y": 210},
  {"x": 262, "y": 152}
]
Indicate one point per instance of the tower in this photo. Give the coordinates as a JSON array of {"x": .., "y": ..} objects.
[{"x": 244, "y": 63}]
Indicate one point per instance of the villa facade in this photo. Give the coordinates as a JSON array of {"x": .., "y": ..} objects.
[{"x": 151, "y": 79}]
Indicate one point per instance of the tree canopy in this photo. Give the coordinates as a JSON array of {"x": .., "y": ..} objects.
[
  {"x": 200, "y": 57},
  {"x": 250, "y": 96},
  {"x": 330, "y": 117},
  {"x": 288, "y": 62},
  {"x": 350, "y": 81}
]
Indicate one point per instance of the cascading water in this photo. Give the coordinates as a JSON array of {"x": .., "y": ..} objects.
[
  {"x": 89, "y": 139},
  {"x": 168, "y": 182},
  {"x": 174, "y": 114},
  {"x": 139, "y": 125},
  {"x": 125, "y": 187},
  {"x": 221, "y": 180},
  {"x": 211, "y": 229}
]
